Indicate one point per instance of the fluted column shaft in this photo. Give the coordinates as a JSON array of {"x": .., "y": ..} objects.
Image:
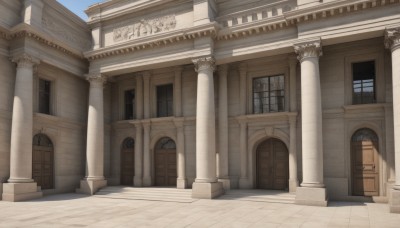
[
  {"x": 146, "y": 154},
  {"x": 205, "y": 122},
  {"x": 222, "y": 155},
  {"x": 95, "y": 129},
  {"x": 22, "y": 120},
  {"x": 392, "y": 42},
  {"x": 309, "y": 54}
]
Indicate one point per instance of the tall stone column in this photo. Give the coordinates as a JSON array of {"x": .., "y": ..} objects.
[
  {"x": 138, "y": 179},
  {"x": 206, "y": 185},
  {"x": 146, "y": 154},
  {"x": 180, "y": 132},
  {"x": 21, "y": 186},
  {"x": 312, "y": 190},
  {"x": 293, "y": 180},
  {"x": 223, "y": 129},
  {"x": 94, "y": 179},
  {"x": 392, "y": 41}
]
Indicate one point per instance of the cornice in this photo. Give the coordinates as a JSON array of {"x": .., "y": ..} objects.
[
  {"x": 150, "y": 42},
  {"x": 297, "y": 16},
  {"x": 26, "y": 31}
]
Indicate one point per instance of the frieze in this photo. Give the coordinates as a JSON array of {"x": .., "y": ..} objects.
[{"x": 145, "y": 28}]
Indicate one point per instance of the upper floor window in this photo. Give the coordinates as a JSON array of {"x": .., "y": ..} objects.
[
  {"x": 165, "y": 100},
  {"x": 44, "y": 96},
  {"x": 269, "y": 94},
  {"x": 364, "y": 82},
  {"x": 129, "y": 104}
]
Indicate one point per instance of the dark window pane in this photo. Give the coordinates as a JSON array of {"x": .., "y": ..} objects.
[
  {"x": 364, "y": 83},
  {"x": 165, "y": 100},
  {"x": 269, "y": 94},
  {"x": 44, "y": 96},
  {"x": 129, "y": 104}
]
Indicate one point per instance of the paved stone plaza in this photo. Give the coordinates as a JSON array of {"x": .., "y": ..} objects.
[{"x": 73, "y": 210}]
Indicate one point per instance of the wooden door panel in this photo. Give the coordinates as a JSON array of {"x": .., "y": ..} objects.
[
  {"x": 127, "y": 166},
  {"x": 365, "y": 175},
  {"x": 165, "y": 167}
]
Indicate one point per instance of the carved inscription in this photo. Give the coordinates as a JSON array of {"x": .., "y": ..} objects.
[{"x": 145, "y": 28}]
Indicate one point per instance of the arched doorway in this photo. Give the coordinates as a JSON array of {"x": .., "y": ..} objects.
[
  {"x": 365, "y": 163},
  {"x": 272, "y": 165},
  {"x": 127, "y": 161},
  {"x": 43, "y": 161},
  {"x": 165, "y": 163}
]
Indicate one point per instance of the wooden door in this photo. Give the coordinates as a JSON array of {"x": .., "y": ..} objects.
[
  {"x": 365, "y": 165},
  {"x": 165, "y": 167},
  {"x": 127, "y": 162},
  {"x": 272, "y": 165},
  {"x": 43, "y": 162}
]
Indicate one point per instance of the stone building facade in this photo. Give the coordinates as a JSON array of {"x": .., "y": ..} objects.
[{"x": 293, "y": 95}]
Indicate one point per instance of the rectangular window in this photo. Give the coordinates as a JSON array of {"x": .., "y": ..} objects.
[
  {"x": 129, "y": 104},
  {"x": 364, "y": 83},
  {"x": 44, "y": 96},
  {"x": 165, "y": 100},
  {"x": 269, "y": 94}
]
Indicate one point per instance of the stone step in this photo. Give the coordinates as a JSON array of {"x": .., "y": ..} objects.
[
  {"x": 259, "y": 196},
  {"x": 151, "y": 194}
]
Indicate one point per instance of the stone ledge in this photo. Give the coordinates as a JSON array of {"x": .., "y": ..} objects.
[{"x": 90, "y": 187}]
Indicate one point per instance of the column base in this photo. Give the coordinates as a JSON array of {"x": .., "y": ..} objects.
[
  {"x": 15, "y": 192},
  {"x": 311, "y": 196},
  {"x": 146, "y": 181},
  {"x": 394, "y": 201},
  {"x": 293, "y": 185},
  {"x": 137, "y": 182},
  {"x": 181, "y": 183},
  {"x": 226, "y": 183},
  {"x": 207, "y": 190},
  {"x": 90, "y": 187}
]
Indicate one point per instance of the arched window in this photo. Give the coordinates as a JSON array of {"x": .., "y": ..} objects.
[
  {"x": 42, "y": 140},
  {"x": 364, "y": 134},
  {"x": 166, "y": 143}
]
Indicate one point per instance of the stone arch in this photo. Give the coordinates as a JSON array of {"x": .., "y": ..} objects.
[
  {"x": 254, "y": 140},
  {"x": 43, "y": 161}
]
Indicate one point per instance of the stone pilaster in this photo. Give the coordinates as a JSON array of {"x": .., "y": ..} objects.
[
  {"x": 206, "y": 184},
  {"x": 178, "y": 92},
  {"x": 146, "y": 154},
  {"x": 223, "y": 129},
  {"x": 139, "y": 97},
  {"x": 312, "y": 190},
  {"x": 94, "y": 179},
  {"x": 293, "y": 180},
  {"x": 138, "y": 179},
  {"x": 243, "y": 89},
  {"x": 146, "y": 94},
  {"x": 180, "y": 135},
  {"x": 20, "y": 185},
  {"x": 392, "y": 42},
  {"x": 244, "y": 181}
]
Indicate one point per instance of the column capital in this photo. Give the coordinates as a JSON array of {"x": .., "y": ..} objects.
[
  {"x": 308, "y": 49},
  {"x": 204, "y": 63},
  {"x": 96, "y": 80},
  {"x": 25, "y": 61},
  {"x": 392, "y": 38}
]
